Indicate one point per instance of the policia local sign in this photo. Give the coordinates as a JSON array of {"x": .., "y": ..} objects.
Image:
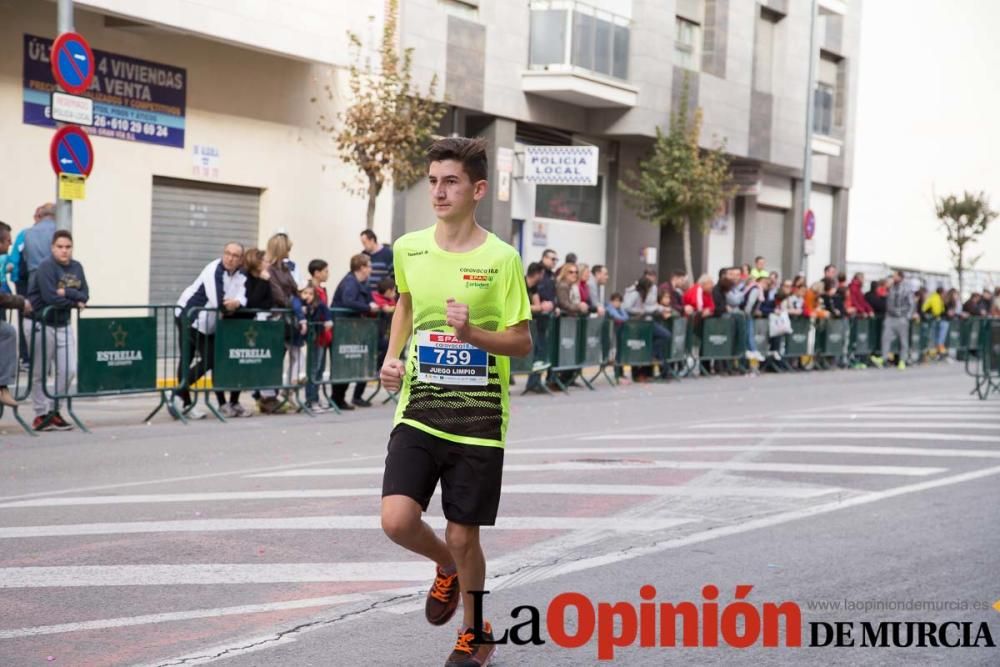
[
  {"x": 561, "y": 165},
  {"x": 134, "y": 100}
]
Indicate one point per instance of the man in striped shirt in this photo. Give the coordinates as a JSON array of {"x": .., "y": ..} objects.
[{"x": 380, "y": 256}]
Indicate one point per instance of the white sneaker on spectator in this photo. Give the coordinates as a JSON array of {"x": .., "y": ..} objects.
[
  {"x": 539, "y": 366},
  {"x": 226, "y": 410},
  {"x": 240, "y": 411},
  {"x": 194, "y": 412}
]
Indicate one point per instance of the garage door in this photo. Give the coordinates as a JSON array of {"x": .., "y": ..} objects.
[
  {"x": 192, "y": 221},
  {"x": 769, "y": 236}
]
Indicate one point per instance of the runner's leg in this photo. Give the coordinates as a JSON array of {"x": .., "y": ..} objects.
[
  {"x": 402, "y": 523},
  {"x": 463, "y": 543}
]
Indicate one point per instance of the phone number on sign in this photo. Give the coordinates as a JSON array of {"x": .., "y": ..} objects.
[{"x": 133, "y": 126}]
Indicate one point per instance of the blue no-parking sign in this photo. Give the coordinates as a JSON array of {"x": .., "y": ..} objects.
[
  {"x": 71, "y": 152},
  {"x": 72, "y": 63}
]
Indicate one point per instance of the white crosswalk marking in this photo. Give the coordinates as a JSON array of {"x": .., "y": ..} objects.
[
  {"x": 200, "y": 574},
  {"x": 147, "y": 619},
  {"x": 331, "y": 523},
  {"x": 508, "y": 489},
  {"x": 817, "y": 434},
  {"x": 807, "y": 449},
  {"x": 818, "y": 468},
  {"x": 939, "y": 418},
  {"x": 842, "y": 422}
]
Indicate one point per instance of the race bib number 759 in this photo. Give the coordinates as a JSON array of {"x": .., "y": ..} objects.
[{"x": 444, "y": 359}]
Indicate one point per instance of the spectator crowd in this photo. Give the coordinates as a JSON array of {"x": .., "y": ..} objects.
[{"x": 40, "y": 280}]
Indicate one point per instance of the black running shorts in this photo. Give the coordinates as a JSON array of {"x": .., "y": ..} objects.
[{"x": 470, "y": 474}]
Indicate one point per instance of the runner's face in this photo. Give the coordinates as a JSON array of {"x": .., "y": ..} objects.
[{"x": 453, "y": 194}]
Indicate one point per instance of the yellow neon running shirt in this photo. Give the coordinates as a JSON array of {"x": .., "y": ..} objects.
[{"x": 490, "y": 280}]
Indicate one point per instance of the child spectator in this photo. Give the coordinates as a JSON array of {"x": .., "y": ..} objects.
[
  {"x": 385, "y": 296},
  {"x": 615, "y": 311},
  {"x": 319, "y": 273},
  {"x": 699, "y": 296},
  {"x": 831, "y": 299},
  {"x": 317, "y": 318}
]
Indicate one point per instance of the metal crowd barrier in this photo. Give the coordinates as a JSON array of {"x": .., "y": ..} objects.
[
  {"x": 354, "y": 354},
  {"x": 21, "y": 389},
  {"x": 107, "y": 350},
  {"x": 239, "y": 351},
  {"x": 988, "y": 380}
]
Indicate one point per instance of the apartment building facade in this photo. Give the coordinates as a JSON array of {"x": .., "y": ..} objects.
[
  {"x": 204, "y": 132},
  {"x": 606, "y": 73}
]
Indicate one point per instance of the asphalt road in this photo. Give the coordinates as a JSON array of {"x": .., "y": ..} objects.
[{"x": 256, "y": 542}]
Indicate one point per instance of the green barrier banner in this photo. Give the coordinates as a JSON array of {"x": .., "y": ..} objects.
[
  {"x": 916, "y": 336},
  {"x": 974, "y": 334},
  {"x": 678, "y": 340},
  {"x": 760, "y": 336},
  {"x": 861, "y": 335},
  {"x": 717, "y": 338},
  {"x": 248, "y": 354},
  {"x": 635, "y": 343},
  {"x": 797, "y": 342},
  {"x": 834, "y": 338},
  {"x": 565, "y": 334},
  {"x": 116, "y": 354},
  {"x": 592, "y": 334},
  {"x": 954, "y": 335},
  {"x": 991, "y": 332},
  {"x": 524, "y": 364},
  {"x": 354, "y": 351}
]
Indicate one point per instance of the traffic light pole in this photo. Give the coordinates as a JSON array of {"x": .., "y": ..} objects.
[{"x": 64, "y": 207}]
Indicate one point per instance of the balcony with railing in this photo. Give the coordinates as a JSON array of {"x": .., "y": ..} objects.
[{"x": 578, "y": 54}]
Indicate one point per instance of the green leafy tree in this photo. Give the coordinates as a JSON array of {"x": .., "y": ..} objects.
[
  {"x": 680, "y": 184},
  {"x": 964, "y": 221},
  {"x": 385, "y": 130}
]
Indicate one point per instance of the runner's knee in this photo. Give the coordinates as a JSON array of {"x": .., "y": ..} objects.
[
  {"x": 461, "y": 538},
  {"x": 399, "y": 520}
]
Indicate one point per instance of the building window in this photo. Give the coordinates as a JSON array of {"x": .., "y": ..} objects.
[
  {"x": 548, "y": 37},
  {"x": 827, "y": 96},
  {"x": 763, "y": 50},
  {"x": 574, "y": 203},
  {"x": 598, "y": 40},
  {"x": 687, "y": 44}
]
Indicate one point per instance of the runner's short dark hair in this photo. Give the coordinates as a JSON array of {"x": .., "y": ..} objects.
[
  {"x": 470, "y": 152},
  {"x": 317, "y": 265}
]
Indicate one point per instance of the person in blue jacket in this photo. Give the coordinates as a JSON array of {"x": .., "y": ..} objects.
[{"x": 353, "y": 294}]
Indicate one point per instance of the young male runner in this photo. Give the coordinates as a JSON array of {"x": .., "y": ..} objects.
[{"x": 463, "y": 300}]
